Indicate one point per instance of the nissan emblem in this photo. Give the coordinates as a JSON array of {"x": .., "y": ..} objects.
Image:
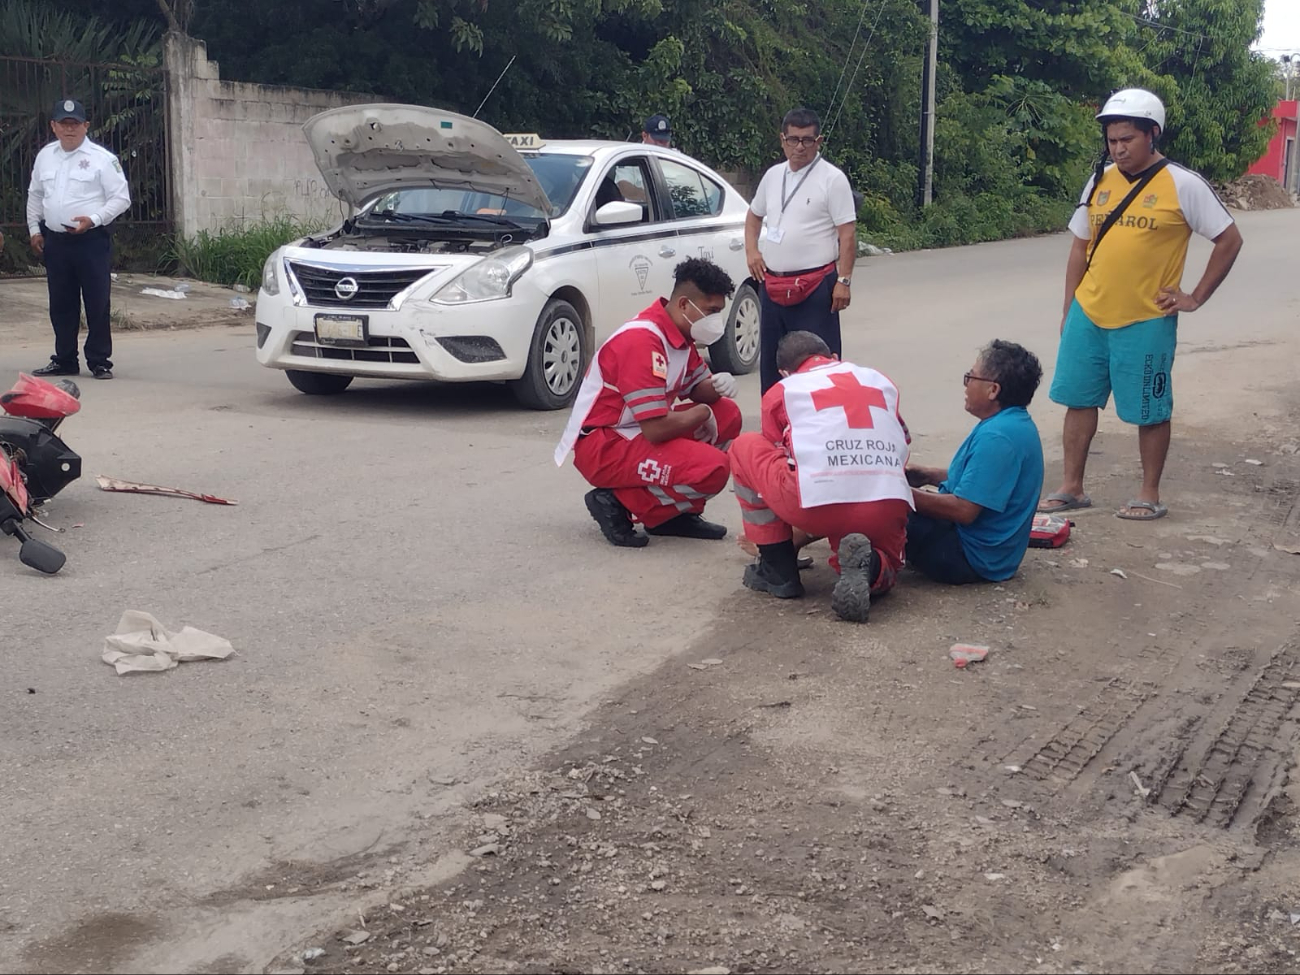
[{"x": 346, "y": 288}]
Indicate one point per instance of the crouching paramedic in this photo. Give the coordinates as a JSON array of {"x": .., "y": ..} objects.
[
  {"x": 649, "y": 458},
  {"x": 831, "y": 461}
]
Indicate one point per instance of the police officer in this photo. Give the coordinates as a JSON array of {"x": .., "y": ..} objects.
[
  {"x": 657, "y": 131},
  {"x": 77, "y": 190}
]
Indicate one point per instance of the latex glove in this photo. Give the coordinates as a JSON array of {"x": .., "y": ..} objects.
[
  {"x": 707, "y": 432},
  {"x": 724, "y": 384}
]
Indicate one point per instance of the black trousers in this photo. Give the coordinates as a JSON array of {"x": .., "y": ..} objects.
[
  {"x": 934, "y": 548},
  {"x": 77, "y": 269},
  {"x": 813, "y": 314}
]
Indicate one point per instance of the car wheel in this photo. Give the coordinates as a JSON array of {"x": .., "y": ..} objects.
[
  {"x": 737, "y": 351},
  {"x": 557, "y": 359},
  {"x": 318, "y": 383}
]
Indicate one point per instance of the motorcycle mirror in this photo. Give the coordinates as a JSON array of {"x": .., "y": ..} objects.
[{"x": 41, "y": 556}]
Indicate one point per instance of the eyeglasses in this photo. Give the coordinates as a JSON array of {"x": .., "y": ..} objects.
[
  {"x": 800, "y": 140},
  {"x": 966, "y": 379}
]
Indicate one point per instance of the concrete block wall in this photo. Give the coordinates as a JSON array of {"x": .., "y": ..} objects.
[{"x": 238, "y": 152}]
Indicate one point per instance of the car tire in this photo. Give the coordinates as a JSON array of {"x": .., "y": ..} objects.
[
  {"x": 737, "y": 351},
  {"x": 557, "y": 359},
  {"x": 318, "y": 383}
]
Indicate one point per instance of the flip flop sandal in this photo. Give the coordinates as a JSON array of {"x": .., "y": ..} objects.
[
  {"x": 1157, "y": 509},
  {"x": 1068, "y": 502}
]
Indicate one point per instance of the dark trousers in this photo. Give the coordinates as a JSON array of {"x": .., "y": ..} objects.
[
  {"x": 813, "y": 314},
  {"x": 77, "y": 269},
  {"x": 934, "y": 549}
]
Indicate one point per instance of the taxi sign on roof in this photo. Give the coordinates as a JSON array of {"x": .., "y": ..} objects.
[{"x": 524, "y": 140}]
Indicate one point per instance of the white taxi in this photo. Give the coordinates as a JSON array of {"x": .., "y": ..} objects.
[{"x": 468, "y": 259}]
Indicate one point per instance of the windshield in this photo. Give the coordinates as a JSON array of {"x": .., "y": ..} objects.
[{"x": 560, "y": 176}]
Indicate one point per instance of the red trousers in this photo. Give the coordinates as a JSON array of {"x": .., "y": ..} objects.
[
  {"x": 768, "y": 490},
  {"x": 659, "y": 481}
]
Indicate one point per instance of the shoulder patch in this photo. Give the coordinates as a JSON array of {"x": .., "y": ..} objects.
[
  {"x": 117, "y": 165},
  {"x": 658, "y": 365}
]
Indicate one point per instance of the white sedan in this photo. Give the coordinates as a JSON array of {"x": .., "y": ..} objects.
[{"x": 468, "y": 260}]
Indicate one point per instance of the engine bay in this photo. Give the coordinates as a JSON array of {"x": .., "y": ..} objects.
[{"x": 400, "y": 244}]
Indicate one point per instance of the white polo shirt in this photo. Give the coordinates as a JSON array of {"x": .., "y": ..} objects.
[
  {"x": 804, "y": 236},
  {"x": 86, "y": 182}
]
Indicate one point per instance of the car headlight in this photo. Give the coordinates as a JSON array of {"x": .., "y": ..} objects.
[
  {"x": 487, "y": 280},
  {"x": 271, "y": 280}
]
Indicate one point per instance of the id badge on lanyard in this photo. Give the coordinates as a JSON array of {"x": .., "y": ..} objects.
[{"x": 777, "y": 234}]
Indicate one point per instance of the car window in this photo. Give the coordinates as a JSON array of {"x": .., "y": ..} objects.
[
  {"x": 626, "y": 181},
  {"x": 693, "y": 194},
  {"x": 560, "y": 176}
]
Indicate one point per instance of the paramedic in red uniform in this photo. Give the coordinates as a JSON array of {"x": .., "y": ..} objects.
[
  {"x": 650, "y": 458},
  {"x": 831, "y": 461}
]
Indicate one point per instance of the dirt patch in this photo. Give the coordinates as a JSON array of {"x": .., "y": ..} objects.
[
  {"x": 1256, "y": 192},
  {"x": 1108, "y": 791},
  {"x": 27, "y": 319},
  {"x": 96, "y": 944}
]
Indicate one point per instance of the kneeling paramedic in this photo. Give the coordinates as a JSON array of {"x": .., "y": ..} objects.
[
  {"x": 831, "y": 461},
  {"x": 650, "y": 458}
]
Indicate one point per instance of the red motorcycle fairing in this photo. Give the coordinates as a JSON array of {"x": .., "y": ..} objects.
[{"x": 36, "y": 399}]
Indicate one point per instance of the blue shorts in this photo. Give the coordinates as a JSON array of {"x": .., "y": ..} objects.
[{"x": 1134, "y": 362}]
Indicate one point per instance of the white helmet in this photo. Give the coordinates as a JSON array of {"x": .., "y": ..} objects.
[{"x": 1133, "y": 103}]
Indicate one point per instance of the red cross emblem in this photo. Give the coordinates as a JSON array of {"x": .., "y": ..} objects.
[{"x": 855, "y": 399}]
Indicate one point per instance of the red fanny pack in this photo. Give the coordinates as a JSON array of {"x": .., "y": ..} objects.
[{"x": 791, "y": 289}]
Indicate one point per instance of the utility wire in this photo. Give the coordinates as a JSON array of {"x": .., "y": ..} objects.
[{"x": 880, "y": 10}]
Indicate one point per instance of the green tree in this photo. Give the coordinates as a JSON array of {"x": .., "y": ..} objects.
[{"x": 1195, "y": 54}]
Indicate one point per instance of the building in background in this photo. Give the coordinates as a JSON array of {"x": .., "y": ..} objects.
[{"x": 1280, "y": 160}]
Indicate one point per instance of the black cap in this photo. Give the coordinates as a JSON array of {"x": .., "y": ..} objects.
[
  {"x": 68, "y": 108},
  {"x": 658, "y": 126}
]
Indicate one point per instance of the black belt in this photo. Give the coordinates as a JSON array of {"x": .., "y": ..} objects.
[
  {"x": 793, "y": 274},
  {"x": 92, "y": 232}
]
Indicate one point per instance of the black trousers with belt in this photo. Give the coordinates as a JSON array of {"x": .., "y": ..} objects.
[
  {"x": 813, "y": 314},
  {"x": 77, "y": 270}
]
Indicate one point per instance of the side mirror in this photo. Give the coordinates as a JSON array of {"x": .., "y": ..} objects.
[
  {"x": 41, "y": 556},
  {"x": 618, "y": 213}
]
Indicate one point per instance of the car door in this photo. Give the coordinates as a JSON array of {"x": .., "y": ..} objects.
[
  {"x": 697, "y": 202},
  {"x": 634, "y": 261}
]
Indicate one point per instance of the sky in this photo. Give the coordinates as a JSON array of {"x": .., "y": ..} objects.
[{"x": 1281, "y": 28}]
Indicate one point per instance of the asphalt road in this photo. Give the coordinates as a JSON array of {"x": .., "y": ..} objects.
[{"x": 417, "y": 597}]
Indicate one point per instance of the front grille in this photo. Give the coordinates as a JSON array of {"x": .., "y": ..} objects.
[
  {"x": 379, "y": 348},
  {"x": 375, "y": 289}
]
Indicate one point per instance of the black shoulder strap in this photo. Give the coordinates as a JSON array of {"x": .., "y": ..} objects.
[{"x": 1113, "y": 217}]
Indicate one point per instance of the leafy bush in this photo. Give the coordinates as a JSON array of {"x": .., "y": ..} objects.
[{"x": 235, "y": 255}]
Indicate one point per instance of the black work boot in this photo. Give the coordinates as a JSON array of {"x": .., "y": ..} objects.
[
  {"x": 689, "y": 526},
  {"x": 614, "y": 521},
  {"x": 859, "y": 568},
  {"x": 776, "y": 572}
]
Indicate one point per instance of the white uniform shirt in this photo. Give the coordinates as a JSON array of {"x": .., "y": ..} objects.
[
  {"x": 805, "y": 235},
  {"x": 86, "y": 182}
]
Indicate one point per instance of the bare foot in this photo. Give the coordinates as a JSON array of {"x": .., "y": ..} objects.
[{"x": 748, "y": 547}]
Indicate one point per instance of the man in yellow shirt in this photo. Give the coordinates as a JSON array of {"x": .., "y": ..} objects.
[{"x": 1122, "y": 295}]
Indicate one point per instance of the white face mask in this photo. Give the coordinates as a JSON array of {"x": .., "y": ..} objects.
[{"x": 708, "y": 329}]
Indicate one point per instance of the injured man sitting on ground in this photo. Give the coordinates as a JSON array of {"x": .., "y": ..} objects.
[{"x": 976, "y": 527}]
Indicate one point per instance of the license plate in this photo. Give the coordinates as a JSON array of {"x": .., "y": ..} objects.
[{"x": 341, "y": 329}]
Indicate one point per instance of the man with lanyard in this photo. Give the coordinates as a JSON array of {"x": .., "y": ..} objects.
[
  {"x": 976, "y": 527},
  {"x": 77, "y": 190},
  {"x": 1122, "y": 295},
  {"x": 648, "y": 457},
  {"x": 830, "y": 461},
  {"x": 800, "y": 243}
]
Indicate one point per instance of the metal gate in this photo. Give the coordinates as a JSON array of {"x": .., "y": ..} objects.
[{"x": 126, "y": 104}]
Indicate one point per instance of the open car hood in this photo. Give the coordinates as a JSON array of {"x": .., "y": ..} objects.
[{"x": 364, "y": 151}]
